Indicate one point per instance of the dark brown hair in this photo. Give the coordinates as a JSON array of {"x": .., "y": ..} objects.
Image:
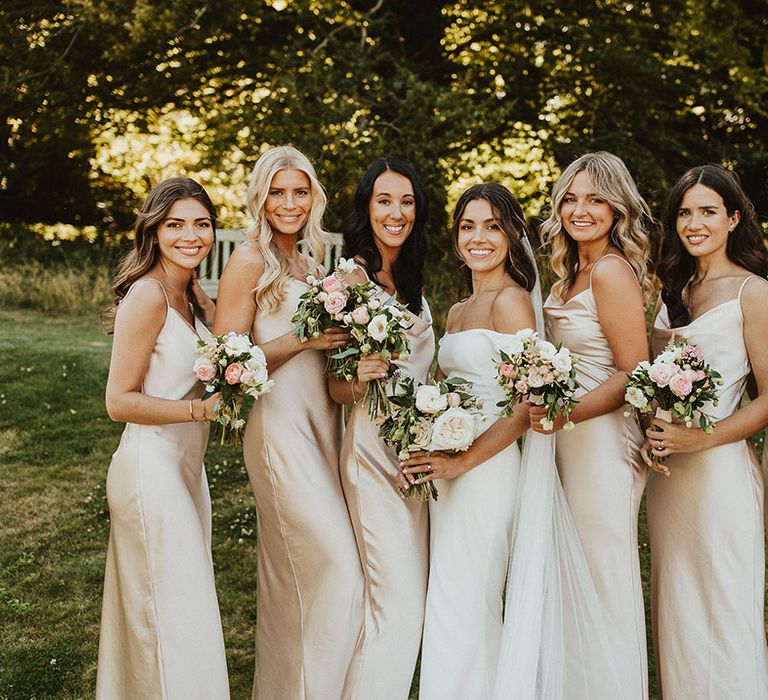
[{"x": 745, "y": 244}]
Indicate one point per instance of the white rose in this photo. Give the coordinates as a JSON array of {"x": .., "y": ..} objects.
[
  {"x": 636, "y": 397},
  {"x": 547, "y": 351},
  {"x": 378, "y": 327},
  {"x": 258, "y": 354},
  {"x": 236, "y": 344},
  {"x": 421, "y": 433},
  {"x": 430, "y": 400},
  {"x": 561, "y": 362},
  {"x": 453, "y": 430},
  {"x": 535, "y": 379},
  {"x": 256, "y": 371}
]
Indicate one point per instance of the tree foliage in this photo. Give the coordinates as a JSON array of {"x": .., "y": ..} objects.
[{"x": 100, "y": 99}]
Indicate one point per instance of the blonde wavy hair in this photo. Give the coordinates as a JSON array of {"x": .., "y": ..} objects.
[
  {"x": 632, "y": 227},
  {"x": 270, "y": 289}
]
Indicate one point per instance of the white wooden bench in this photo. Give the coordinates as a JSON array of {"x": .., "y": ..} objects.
[{"x": 226, "y": 240}]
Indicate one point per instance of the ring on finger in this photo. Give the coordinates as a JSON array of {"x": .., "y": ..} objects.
[{"x": 428, "y": 467}]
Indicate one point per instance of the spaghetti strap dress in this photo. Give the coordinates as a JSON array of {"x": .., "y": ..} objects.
[
  {"x": 603, "y": 479},
  {"x": 161, "y": 631},
  {"x": 705, "y": 521},
  {"x": 309, "y": 596}
]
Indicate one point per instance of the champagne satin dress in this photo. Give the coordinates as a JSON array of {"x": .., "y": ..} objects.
[
  {"x": 310, "y": 585},
  {"x": 392, "y": 537},
  {"x": 603, "y": 479},
  {"x": 160, "y": 627},
  {"x": 707, "y": 540},
  {"x": 470, "y": 542}
]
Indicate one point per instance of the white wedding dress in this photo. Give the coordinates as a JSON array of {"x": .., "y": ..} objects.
[{"x": 470, "y": 539}]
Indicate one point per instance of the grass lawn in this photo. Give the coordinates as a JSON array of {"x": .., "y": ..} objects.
[
  {"x": 56, "y": 442},
  {"x": 55, "y": 445}
]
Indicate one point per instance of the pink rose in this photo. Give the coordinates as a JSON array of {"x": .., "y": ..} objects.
[
  {"x": 360, "y": 315},
  {"x": 507, "y": 370},
  {"x": 661, "y": 373},
  {"x": 692, "y": 374},
  {"x": 233, "y": 373},
  {"x": 700, "y": 374},
  {"x": 454, "y": 399},
  {"x": 204, "y": 369},
  {"x": 331, "y": 284},
  {"x": 680, "y": 385},
  {"x": 335, "y": 302},
  {"x": 521, "y": 386}
]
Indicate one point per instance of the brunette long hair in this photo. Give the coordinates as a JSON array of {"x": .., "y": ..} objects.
[
  {"x": 745, "y": 244},
  {"x": 359, "y": 242},
  {"x": 146, "y": 251},
  {"x": 510, "y": 217}
]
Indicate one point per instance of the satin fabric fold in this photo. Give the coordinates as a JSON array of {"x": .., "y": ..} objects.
[
  {"x": 392, "y": 538},
  {"x": 161, "y": 631},
  {"x": 310, "y": 587},
  {"x": 470, "y": 540},
  {"x": 603, "y": 479},
  {"x": 707, "y": 540}
]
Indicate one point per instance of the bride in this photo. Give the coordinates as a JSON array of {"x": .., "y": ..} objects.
[{"x": 471, "y": 523}]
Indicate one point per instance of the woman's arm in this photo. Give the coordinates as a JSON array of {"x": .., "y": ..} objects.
[
  {"x": 620, "y": 310},
  {"x": 140, "y": 318},
  {"x": 747, "y": 420},
  {"x": 236, "y": 309},
  {"x": 511, "y": 311}
]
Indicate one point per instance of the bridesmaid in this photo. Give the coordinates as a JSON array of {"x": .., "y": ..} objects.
[
  {"x": 160, "y": 627},
  {"x": 706, "y": 518},
  {"x": 385, "y": 235},
  {"x": 597, "y": 230},
  {"x": 471, "y": 523},
  {"x": 310, "y": 587}
]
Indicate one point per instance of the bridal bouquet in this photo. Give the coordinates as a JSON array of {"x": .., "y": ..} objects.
[
  {"x": 375, "y": 326},
  {"x": 679, "y": 381},
  {"x": 443, "y": 416},
  {"x": 237, "y": 368},
  {"x": 532, "y": 368},
  {"x": 325, "y": 303}
]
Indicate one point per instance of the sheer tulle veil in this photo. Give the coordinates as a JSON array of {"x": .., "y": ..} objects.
[{"x": 554, "y": 641}]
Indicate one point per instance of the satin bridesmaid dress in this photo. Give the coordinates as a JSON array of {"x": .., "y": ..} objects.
[
  {"x": 392, "y": 537},
  {"x": 470, "y": 542},
  {"x": 603, "y": 479},
  {"x": 160, "y": 627},
  {"x": 310, "y": 585},
  {"x": 707, "y": 539}
]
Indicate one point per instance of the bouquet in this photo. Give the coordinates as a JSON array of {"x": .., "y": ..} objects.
[
  {"x": 237, "y": 368},
  {"x": 443, "y": 416},
  {"x": 679, "y": 381},
  {"x": 325, "y": 303},
  {"x": 544, "y": 373},
  {"x": 375, "y": 326}
]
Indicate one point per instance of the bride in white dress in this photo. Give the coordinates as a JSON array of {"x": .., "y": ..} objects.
[{"x": 471, "y": 523}]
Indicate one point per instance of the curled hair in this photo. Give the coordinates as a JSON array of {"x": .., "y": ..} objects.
[
  {"x": 745, "y": 244},
  {"x": 359, "y": 242},
  {"x": 631, "y": 227},
  {"x": 270, "y": 289},
  {"x": 509, "y": 215},
  {"x": 146, "y": 252}
]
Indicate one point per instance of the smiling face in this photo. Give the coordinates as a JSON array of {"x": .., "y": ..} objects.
[
  {"x": 185, "y": 236},
  {"x": 392, "y": 210},
  {"x": 586, "y": 216},
  {"x": 289, "y": 201},
  {"x": 482, "y": 243},
  {"x": 702, "y": 223}
]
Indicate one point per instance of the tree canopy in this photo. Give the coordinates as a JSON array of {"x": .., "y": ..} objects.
[{"x": 101, "y": 99}]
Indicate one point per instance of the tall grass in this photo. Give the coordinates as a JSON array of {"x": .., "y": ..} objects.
[{"x": 56, "y": 288}]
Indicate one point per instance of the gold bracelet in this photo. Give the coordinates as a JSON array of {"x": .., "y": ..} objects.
[
  {"x": 191, "y": 411},
  {"x": 205, "y": 413}
]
